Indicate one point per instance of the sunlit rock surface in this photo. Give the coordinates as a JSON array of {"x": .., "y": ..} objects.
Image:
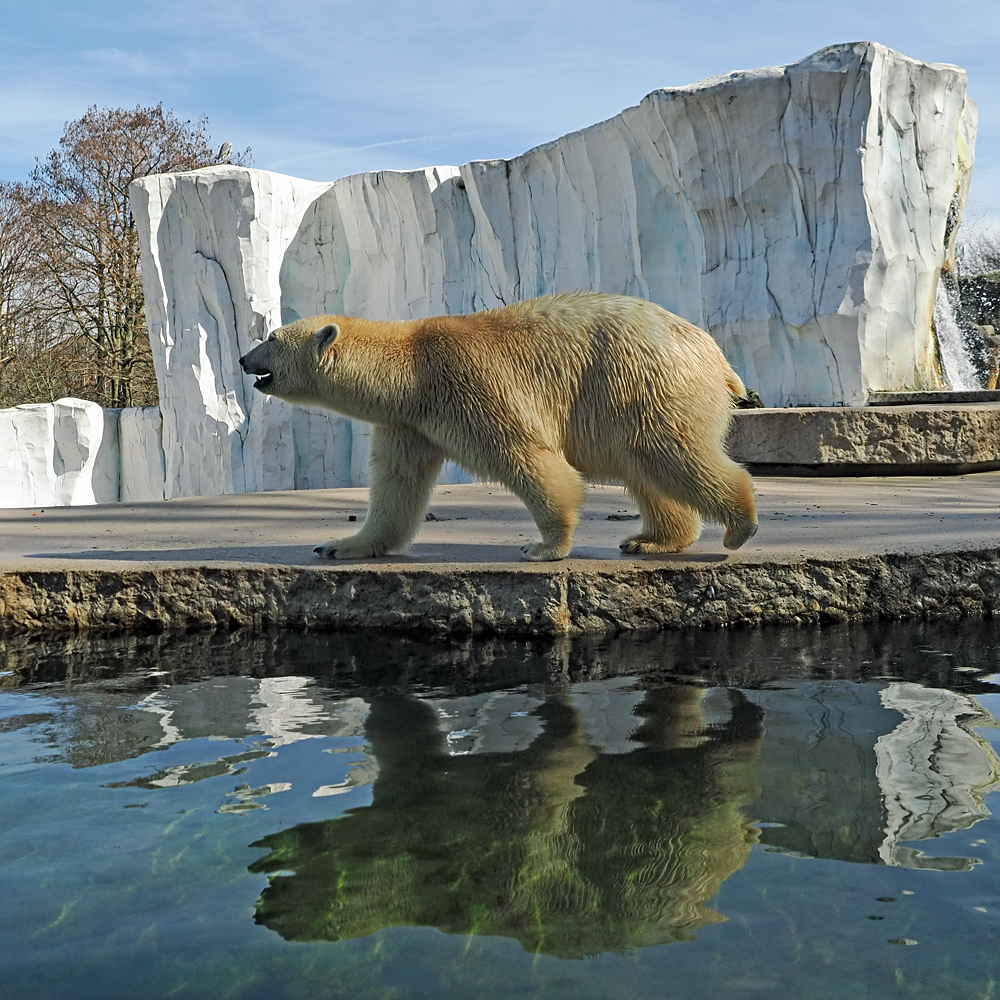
[
  {"x": 58, "y": 454},
  {"x": 212, "y": 247},
  {"x": 74, "y": 452},
  {"x": 798, "y": 213},
  {"x": 140, "y": 430},
  {"x": 323, "y": 450}
]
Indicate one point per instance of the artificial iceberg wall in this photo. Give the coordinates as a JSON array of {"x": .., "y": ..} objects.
[
  {"x": 798, "y": 213},
  {"x": 74, "y": 452},
  {"x": 801, "y": 214}
]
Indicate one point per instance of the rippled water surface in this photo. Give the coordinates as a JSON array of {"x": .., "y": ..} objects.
[{"x": 748, "y": 814}]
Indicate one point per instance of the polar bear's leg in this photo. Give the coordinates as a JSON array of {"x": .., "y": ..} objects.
[
  {"x": 741, "y": 525},
  {"x": 552, "y": 490},
  {"x": 721, "y": 491},
  {"x": 701, "y": 476},
  {"x": 404, "y": 465},
  {"x": 667, "y": 524}
]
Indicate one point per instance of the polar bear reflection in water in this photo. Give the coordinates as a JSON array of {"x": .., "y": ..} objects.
[
  {"x": 569, "y": 851},
  {"x": 607, "y": 817}
]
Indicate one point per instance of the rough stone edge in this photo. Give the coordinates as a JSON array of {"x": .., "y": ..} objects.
[
  {"x": 933, "y": 397},
  {"x": 503, "y": 602},
  {"x": 847, "y": 470}
]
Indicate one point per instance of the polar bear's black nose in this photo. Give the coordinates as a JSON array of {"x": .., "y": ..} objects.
[{"x": 243, "y": 362}]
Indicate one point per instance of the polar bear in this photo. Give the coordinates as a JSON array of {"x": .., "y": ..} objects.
[{"x": 539, "y": 396}]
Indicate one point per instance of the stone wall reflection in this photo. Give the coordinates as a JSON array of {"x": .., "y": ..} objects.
[
  {"x": 853, "y": 771},
  {"x": 934, "y": 771}
]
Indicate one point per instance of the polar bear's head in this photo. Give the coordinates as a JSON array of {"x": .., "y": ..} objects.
[{"x": 288, "y": 363}]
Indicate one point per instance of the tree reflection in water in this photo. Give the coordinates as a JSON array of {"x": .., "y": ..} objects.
[{"x": 569, "y": 852}]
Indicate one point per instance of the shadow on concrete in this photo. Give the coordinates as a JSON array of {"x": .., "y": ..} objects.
[
  {"x": 423, "y": 555},
  {"x": 283, "y": 555},
  {"x": 154, "y": 512}
]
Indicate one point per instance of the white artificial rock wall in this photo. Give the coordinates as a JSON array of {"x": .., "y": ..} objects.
[
  {"x": 214, "y": 245},
  {"x": 140, "y": 433},
  {"x": 74, "y": 452},
  {"x": 797, "y": 213}
]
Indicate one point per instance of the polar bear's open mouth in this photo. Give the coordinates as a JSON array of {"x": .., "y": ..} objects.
[{"x": 264, "y": 380}]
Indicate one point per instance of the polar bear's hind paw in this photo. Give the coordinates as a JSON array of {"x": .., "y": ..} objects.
[
  {"x": 739, "y": 535},
  {"x": 542, "y": 552},
  {"x": 348, "y": 548}
]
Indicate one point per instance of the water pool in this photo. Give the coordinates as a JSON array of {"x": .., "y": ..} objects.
[{"x": 786, "y": 813}]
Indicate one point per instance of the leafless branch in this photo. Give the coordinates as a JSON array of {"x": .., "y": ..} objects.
[{"x": 71, "y": 303}]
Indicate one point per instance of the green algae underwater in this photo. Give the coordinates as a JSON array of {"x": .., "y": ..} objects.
[{"x": 759, "y": 813}]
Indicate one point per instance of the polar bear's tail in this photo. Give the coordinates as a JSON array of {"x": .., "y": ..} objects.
[{"x": 735, "y": 386}]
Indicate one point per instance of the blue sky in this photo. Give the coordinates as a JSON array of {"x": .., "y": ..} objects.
[{"x": 324, "y": 89}]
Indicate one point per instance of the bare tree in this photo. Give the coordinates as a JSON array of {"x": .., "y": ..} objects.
[
  {"x": 978, "y": 255},
  {"x": 34, "y": 365},
  {"x": 15, "y": 256},
  {"x": 83, "y": 245}
]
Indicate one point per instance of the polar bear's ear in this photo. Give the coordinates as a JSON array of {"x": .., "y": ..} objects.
[{"x": 325, "y": 338}]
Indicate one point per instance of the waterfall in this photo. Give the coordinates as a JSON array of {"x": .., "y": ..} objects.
[
  {"x": 959, "y": 371},
  {"x": 968, "y": 360}
]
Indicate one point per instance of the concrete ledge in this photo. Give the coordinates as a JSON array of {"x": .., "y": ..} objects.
[
  {"x": 864, "y": 440},
  {"x": 500, "y": 600},
  {"x": 827, "y": 550},
  {"x": 946, "y": 397},
  {"x": 835, "y": 470}
]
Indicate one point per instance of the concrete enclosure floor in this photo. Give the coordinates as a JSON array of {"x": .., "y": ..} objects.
[{"x": 483, "y": 523}]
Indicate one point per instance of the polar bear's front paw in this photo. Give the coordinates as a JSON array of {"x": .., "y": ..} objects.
[
  {"x": 543, "y": 552},
  {"x": 349, "y": 548}
]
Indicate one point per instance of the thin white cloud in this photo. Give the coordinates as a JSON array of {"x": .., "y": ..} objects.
[
  {"x": 330, "y": 87},
  {"x": 330, "y": 152},
  {"x": 119, "y": 61}
]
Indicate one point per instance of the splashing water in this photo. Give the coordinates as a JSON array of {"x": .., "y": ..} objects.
[{"x": 959, "y": 371}]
